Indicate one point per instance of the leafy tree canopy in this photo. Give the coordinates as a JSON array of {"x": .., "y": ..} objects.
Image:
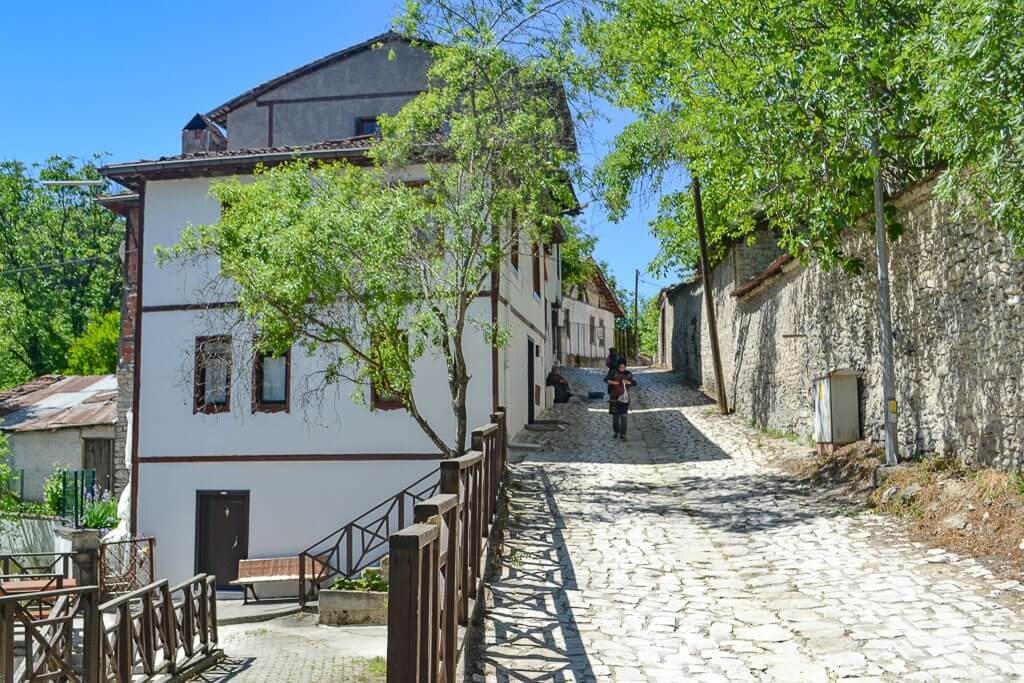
[
  {"x": 95, "y": 352},
  {"x": 59, "y": 264},
  {"x": 774, "y": 106}
]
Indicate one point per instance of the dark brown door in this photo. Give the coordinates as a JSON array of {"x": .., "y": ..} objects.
[
  {"x": 98, "y": 454},
  {"x": 222, "y": 533}
]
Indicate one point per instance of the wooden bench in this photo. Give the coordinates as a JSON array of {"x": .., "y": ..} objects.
[{"x": 273, "y": 570}]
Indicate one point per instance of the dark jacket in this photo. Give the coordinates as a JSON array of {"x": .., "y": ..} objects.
[{"x": 623, "y": 380}]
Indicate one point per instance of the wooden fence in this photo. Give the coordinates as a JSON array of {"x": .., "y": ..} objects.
[
  {"x": 152, "y": 631},
  {"x": 437, "y": 563}
]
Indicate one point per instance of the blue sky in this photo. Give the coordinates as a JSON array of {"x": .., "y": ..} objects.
[{"x": 123, "y": 78}]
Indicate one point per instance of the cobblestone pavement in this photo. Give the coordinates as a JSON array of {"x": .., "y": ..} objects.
[
  {"x": 680, "y": 555},
  {"x": 293, "y": 649}
]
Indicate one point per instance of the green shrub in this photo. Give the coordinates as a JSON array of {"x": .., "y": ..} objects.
[
  {"x": 100, "y": 510},
  {"x": 371, "y": 582},
  {"x": 53, "y": 490}
]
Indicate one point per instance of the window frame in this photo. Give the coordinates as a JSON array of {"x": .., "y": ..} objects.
[
  {"x": 199, "y": 404},
  {"x": 259, "y": 405},
  {"x": 360, "y": 120}
]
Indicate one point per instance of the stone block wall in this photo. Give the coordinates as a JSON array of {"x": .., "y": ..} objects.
[{"x": 958, "y": 320}]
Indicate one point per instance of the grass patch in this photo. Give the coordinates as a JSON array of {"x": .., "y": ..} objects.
[{"x": 378, "y": 666}]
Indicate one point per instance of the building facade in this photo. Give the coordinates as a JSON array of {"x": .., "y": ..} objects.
[
  {"x": 587, "y": 321},
  {"x": 235, "y": 456}
]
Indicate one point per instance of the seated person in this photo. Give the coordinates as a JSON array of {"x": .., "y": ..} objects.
[{"x": 560, "y": 384}]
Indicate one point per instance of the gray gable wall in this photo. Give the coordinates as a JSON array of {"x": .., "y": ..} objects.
[{"x": 367, "y": 83}]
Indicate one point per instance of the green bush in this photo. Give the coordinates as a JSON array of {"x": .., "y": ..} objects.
[
  {"x": 371, "y": 582},
  {"x": 100, "y": 510},
  {"x": 53, "y": 490}
]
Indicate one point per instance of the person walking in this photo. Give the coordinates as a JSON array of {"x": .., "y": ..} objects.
[{"x": 619, "y": 380}]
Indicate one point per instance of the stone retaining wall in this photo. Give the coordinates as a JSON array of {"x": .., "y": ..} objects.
[{"x": 958, "y": 321}]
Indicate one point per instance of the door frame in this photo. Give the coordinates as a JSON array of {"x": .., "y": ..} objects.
[
  {"x": 531, "y": 379},
  {"x": 217, "y": 493}
]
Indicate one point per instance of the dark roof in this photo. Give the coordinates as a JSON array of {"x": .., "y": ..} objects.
[
  {"x": 55, "y": 402},
  {"x": 220, "y": 113},
  {"x": 611, "y": 299},
  {"x": 226, "y": 162},
  {"x": 774, "y": 269}
]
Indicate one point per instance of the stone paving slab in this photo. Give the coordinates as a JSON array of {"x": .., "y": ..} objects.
[{"x": 680, "y": 555}]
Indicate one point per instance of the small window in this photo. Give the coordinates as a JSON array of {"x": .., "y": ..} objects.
[
  {"x": 367, "y": 125},
  {"x": 593, "y": 332},
  {"x": 213, "y": 375},
  {"x": 271, "y": 382},
  {"x": 536, "y": 269},
  {"x": 600, "y": 334}
]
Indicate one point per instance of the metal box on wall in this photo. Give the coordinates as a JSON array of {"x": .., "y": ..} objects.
[{"x": 836, "y": 410}]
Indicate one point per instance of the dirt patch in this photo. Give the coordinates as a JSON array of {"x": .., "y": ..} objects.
[
  {"x": 977, "y": 513},
  {"x": 974, "y": 513}
]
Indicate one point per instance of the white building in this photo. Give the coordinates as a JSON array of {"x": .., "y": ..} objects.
[
  {"x": 587, "y": 321},
  {"x": 230, "y": 464}
]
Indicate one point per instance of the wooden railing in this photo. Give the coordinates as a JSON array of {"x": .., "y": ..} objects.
[
  {"x": 437, "y": 563},
  {"x": 125, "y": 566},
  {"x": 363, "y": 542},
  {"x": 158, "y": 628},
  {"x": 46, "y": 640},
  {"x": 149, "y": 632}
]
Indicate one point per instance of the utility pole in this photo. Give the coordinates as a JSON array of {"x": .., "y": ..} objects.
[
  {"x": 636, "y": 317},
  {"x": 709, "y": 302},
  {"x": 884, "y": 312}
]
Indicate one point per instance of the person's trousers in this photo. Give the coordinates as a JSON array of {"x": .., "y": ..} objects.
[{"x": 619, "y": 422}]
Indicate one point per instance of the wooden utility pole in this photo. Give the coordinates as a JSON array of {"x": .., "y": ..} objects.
[
  {"x": 636, "y": 318},
  {"x": 709, "y": 302},
  {"x": 884, "y": 312}
]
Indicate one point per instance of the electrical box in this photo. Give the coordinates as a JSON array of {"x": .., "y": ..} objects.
[{"x": 836, "y": 410}]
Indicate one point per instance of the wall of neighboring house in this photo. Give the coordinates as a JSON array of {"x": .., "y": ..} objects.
[
  {"x": 370, "y": 82},
  {"x": 40, "y": 452},
  {"x": 526, "y": 314},
  {"x": 586, "y": 343},
  {"x": 958, "y": 319},
  {"x": 679, "y": 330}
]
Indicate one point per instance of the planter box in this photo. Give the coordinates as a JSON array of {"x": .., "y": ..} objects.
[{"x": 340, "y": 608}]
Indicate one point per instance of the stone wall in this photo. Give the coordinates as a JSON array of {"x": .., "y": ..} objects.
[
  {"x": 681, "y": 319},
  {"x": 958, "y": 321}
]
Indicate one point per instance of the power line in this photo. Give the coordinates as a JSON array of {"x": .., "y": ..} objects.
[{"x": 74, "y": 262}]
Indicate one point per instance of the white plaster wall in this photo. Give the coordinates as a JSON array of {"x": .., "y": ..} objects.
[
  {"x": 40, "y": 452},
  {"x": 291, "y": 504},
  {"x": 330, "y": 423},
  {"x": 579, "y": 318}
]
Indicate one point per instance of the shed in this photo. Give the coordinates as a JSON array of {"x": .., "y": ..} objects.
[{"x": 55, "y": 421}]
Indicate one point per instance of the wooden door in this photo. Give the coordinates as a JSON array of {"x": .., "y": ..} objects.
[
  {"x": 222, "y": 533},
  {"x": 98, "y": 454}
]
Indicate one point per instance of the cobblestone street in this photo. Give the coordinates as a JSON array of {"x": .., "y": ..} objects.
[{"x": 680, "y": 555}]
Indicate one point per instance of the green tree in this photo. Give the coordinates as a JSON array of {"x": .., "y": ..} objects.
[
  {"x": 58, "y": 265},
  {"x": 373, "y": 273},
  {"x": 772, "y": 104},
  {"x": 650, "y": 315},
  {"x": 971, "y": 53},
  {"x": 95, "y": 352}
]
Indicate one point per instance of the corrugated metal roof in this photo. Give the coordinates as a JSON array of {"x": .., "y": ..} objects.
[{"x": 55, "y": 402}]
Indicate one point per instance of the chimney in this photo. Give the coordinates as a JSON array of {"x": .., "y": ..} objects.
[{"x": 202, "y": 135}]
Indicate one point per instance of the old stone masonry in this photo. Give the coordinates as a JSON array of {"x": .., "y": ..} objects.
[{"x": 680, "y": 555}]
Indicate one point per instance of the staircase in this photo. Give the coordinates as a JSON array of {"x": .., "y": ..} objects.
[{"x": 363, "y": 542}]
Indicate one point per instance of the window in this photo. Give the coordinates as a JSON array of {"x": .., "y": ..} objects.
[
  {"x": 271, "y": 389},
  {"x": 600, "y": 336},
  {"x": 382, "y": 398},
  {"x": 367, "y": 125},
  {"x": 536, "y": 269},
  {"x": 213, "y": 375},
  {"x": 593, "y": 332}
]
